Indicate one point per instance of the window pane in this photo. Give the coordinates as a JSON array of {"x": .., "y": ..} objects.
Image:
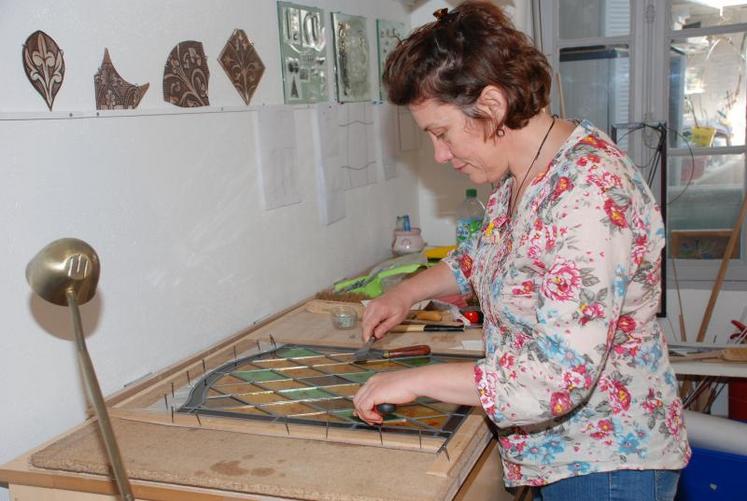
[
  {"x": 594, "y": 18},
  {"x": 596, "y": 84},
  {"x": 704, "y": 202},
  {"x": 707, "y": 90},
  {"x": 703, "y": 13}
]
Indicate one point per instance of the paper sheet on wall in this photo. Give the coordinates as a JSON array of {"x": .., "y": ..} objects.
[
  {"x": 275, "y": 132},
  {"x": 329, "y": 175},
  {"x": 409, "y": 132},
  {"x": 387, "y": 128},
  {"x": 355, "y": 130}
]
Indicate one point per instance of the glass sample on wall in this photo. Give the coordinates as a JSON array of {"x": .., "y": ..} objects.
[
  {"x": 276, "y": 156},
  {"x": 242, "y": 64},
  {"x": 351, "y": 58},
  {"x": 596, "y": 84},
  {"x": 388, "y": 35},
  {"x": 387, "y": 127},
  {"x": 112, "y": 91},
  {"x": 593, "y": 18},
  {"x": 44, "y": 65},
  {"x": 303, "y": 54},
  {"x": 186, "y": 76}
]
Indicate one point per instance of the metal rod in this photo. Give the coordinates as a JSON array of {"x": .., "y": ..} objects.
[{"x": 94, "y": 393}]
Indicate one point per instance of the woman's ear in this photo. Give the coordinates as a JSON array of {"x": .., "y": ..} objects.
[
  {"x": 493, "y": 105},
  {"x": 492, "y": 101}
]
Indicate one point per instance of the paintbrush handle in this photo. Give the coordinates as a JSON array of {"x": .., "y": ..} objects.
[{"x": 418, "y": 350}]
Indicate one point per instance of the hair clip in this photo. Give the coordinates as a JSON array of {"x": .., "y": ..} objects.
[
  {"x": 441, "y": 13},
  {"x": 443, "y": 16}
]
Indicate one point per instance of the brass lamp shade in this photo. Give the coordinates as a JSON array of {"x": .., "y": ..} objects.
[{"x": 65, "y": 265}]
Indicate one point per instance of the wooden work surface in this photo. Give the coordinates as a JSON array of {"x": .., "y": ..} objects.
[{"x": 174, "y": 462}]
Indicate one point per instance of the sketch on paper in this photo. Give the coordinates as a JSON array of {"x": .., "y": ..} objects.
[
  {"x": 388, "y": 35},
  {"x": 387, "y": 127},
  {"x": 351, "y": 58},
  {"x": 303, "y": 53},
  {"x": 44, "y": 65},
  {"x": 329, "y": 176},
  {"x": 186, "y": 75},
  {"x": 112, "y": 91},
  {"x": 276, "y": 156},
  {"x": 346, "y": 156},
  {"x": 242, "y": 64}
]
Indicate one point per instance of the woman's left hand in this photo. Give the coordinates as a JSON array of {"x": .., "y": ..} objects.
[{"x": 387, "y": 387}]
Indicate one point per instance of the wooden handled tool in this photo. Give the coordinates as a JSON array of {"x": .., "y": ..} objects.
[
  {"x": 427, "y": 328},
  {"x": 736, "y": 354},
  {"x": 418, "y": 350}
]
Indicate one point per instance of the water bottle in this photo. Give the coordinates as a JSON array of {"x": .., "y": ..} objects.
[{"x": 469, "y": 217}]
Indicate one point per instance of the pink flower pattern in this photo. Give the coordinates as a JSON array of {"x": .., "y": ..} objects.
[{"x": 575, "y": 368}]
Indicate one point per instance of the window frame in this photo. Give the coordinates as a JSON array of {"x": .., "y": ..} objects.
[{"x": 649, "y": 42}]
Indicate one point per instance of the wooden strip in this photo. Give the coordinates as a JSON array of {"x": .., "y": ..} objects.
[
  {"x": 733, "y": 239},
  {"x": 41, "y": 485},
  {"x": 293, "y": 430}
]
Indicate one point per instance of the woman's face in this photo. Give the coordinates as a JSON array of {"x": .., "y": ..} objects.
[{"x": 460, "y": 140}]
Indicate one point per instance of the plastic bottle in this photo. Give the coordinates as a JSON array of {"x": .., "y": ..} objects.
[{"x": 469, "y": 217}]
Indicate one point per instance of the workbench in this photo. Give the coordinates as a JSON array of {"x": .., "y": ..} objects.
[{"x": 174, "y": 461}]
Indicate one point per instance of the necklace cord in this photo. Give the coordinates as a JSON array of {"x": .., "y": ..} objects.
[{"x": 512, "y": 200}]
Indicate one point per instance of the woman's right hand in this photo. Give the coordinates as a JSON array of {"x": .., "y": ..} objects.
[{"x": 383, "y": 313}]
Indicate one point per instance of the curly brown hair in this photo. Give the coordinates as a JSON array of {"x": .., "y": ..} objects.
[{"x": 455, "y": 57}]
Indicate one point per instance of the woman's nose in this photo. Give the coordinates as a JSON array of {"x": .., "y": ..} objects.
[{"x": 441, "y": 152}]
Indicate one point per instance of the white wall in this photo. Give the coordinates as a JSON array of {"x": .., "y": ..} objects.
[{"x": 171, "y": 202}]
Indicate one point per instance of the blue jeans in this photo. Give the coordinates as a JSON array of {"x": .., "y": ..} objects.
[{"x": 620, "y": 485}]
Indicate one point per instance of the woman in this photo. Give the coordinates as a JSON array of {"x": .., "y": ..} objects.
[{"x": 566, "y": 268}]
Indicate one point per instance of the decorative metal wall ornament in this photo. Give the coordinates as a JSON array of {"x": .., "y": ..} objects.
[
  {"x": 351, "y": 58},
  {"x": 44, "y": 65},
  {"x": 112, "y": 91},
  {"x": 242, "y": 64},
  {"x": 303, "y": 53},
  {"x": 186, "y": 75}
]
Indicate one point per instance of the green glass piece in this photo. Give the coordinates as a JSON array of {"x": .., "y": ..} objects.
[
  {"x": 294, "y": 352},
  {"x": 258, "y": 375},
  {"x": 305, "y": 394},
  {"x": 415, "y": 362}
]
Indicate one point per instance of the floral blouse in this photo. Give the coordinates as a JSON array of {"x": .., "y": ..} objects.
[{"x": 576, "y": 373}]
